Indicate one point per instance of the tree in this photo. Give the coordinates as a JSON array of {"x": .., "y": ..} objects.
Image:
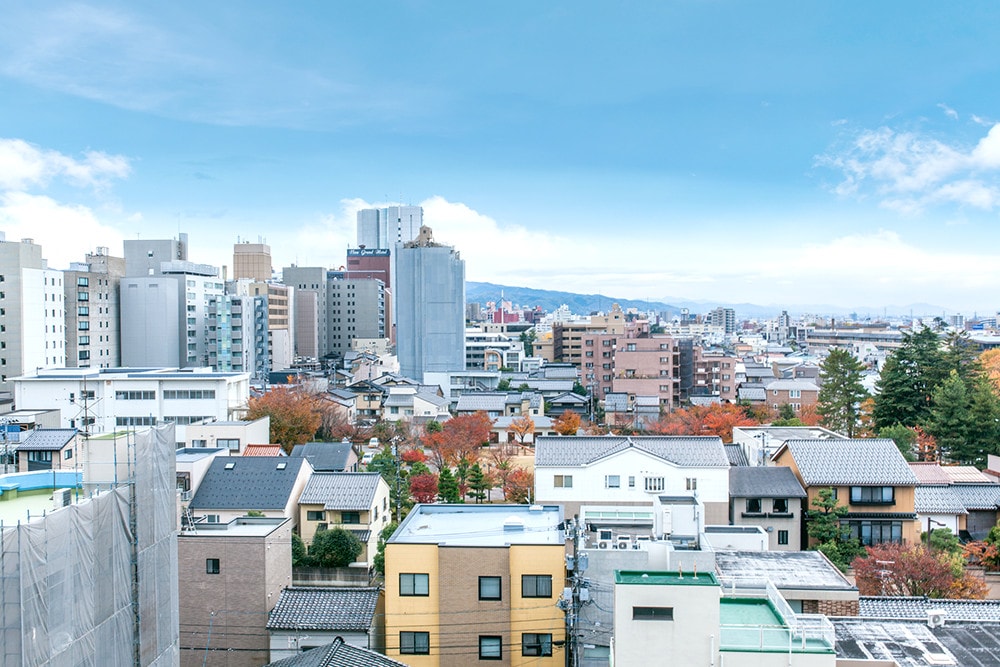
[
  {"x": 395, "y": 475},
  {"x": 502, "y": 458},
  {"x": 424, "y": 487},
  {"x": 522, "y": 427},
  {"x": 460, "y": 438},
  {"x": 823, "y": 525},
  {"x": 413, "y": 455},
  {"x": 300, "y": 557},
  {"x": 786, "y": 412},
  {"x": 448, "y": 490},
  {"x": 378, "y": 561},
  {"x": 579, "y": 389},
  {"x": 841, "y": 392},
  {"x": 983, "y": 433},
  {"x": 568, "y": 423},
  {"x": 335, "y": 548},
  {"x": 904, "y": 437},
  {"x": 927, "y": 449},
  {"x": 908, "y": 380},
  {"x": 942, "y": 539},
  {"x": 519, "y": 486},
  {"x": 913, "y": 570},
  {"x": 295, "y": 415},
  {"x": 503, "y": 385},
  {"x": 949, "y": 417},
  {"x": 528, "y": 339},
  {"x": 479, "y": 483},
  {"x": 989, "y": 362},
  {"x": 718, "y": 419}
]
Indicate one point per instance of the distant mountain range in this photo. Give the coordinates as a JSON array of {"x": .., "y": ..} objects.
[{"x": 584, "y": 304}]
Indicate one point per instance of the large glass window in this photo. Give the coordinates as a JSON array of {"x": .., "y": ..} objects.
[
  {"x": 536, "y": 585},
  {"x": 655, "y": 484},
  {"x": 872, "y": 495},
  {"x": 414, "y": 584},
  {"x": 875, "y": 532}
]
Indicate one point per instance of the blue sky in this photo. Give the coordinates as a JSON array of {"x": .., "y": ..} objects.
[{"x": 772, "y": 152}]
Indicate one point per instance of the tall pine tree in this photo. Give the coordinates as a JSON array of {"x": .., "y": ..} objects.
[
  {"x": 841, "y": 393},
  {"x": 448, "y": 487},
  {"x": 949, "y": 419},
  {"x": 908, "y": 380}
]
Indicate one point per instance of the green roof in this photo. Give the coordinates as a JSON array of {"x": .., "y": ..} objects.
[{"x": 637, "y": 577}]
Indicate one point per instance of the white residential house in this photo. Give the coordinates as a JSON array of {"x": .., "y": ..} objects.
[
  {"x": 231, "y": 435},
  {"x": 415, "y": 403},
  {"x": 593, "y": 475}
]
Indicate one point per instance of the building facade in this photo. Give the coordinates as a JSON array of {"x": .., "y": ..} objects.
[{"x": 92, "y": 299}]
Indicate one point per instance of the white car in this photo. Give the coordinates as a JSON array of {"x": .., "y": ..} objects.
[{"x": 367, "y": 458}]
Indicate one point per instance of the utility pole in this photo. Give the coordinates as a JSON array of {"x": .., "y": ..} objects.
[{"x": 576, "y": 594}]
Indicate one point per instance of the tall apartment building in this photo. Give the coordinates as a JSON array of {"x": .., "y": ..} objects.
[
  {"x": 724, "y": 318},
  {"x": 32, "y": 313},
  {"x": 144, "y": 256},
  {"x": 565, "y": 344},
  {"x": 93, "y": 304},
  {"x": 309, "y": 283},
  {"x": 383, "y": 228},
  {"x": 430, "y": 307}
]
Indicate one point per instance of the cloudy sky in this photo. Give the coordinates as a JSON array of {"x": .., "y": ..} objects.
[{"x": 771, "y": 152}]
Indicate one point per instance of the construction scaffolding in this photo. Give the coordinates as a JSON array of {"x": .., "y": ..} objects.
[{"x": 95, "y": 583}]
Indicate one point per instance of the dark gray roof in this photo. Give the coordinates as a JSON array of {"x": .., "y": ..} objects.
[
  {"x": 937, "y": 500},
  {"x": 978, "y": 496},
  {"x": 764, "y": 482},
  {"x": 917, "y": 608},
  {"x": 341, "y": 490},
  {"x": 252, "y": 483},
  {"x": 325, "y": 456},
  {"x": 912, "y": 643},
  {"x": 690, "y": 451},
  {"x": 330, "y": 609},
  {"x": 737, "y": 457},
  {"x": 47, "y": 440},
  {"x": 337, "y": 654},
  {"x": 862, "y": 462},
  {"x": 785, "y": 569}
]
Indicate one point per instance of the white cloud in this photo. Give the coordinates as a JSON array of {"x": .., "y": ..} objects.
[
  {"x": 909, "y": 172},
  {"x": 948, "y": 111},
  {"x": 66, "y": 233},
  {"x": 23, "y": 165}
]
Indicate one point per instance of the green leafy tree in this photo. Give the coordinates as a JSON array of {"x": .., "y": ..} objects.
[
  {"x": 841, "y": 393},
  {"x": 300, "y": 557},
  {"x": 395, "y": 475},
  {"x": 335, "y": 548},
  {"x": 378, "y": 561},
  {"x": 943, "y": 540},
  {"x": 904, "y": 437},
  {"x": 448, "y": 490},
  {"x": 908, "y": 380},
  {"x": 479, "y": 483},
  {"x": 984, "y": 420},
  {"x": 786, "y": 412},
  {"x": 503, "y": 385},
  {"x": 949, "y": 419},
  {"x": 823, "y": 525},
  {"x": 528, "y": 339},
  {"x": 579, "y": 389}
]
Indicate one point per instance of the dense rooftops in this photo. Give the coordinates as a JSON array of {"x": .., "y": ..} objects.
[{"x": 875, "y": 462}]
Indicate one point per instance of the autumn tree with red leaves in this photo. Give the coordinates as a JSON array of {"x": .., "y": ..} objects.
[
  {"x": 460, "y": 439},
  {"x": 912, "y": 570},
  {"x": 519, "y": 486},
  {"x": 568, "y": 423},
  {"x": 718, "y": 419},
  {"x": 424, "y": 488},
  {"x": 522, "y": 427},
  {"x": 295, "y": 415}
]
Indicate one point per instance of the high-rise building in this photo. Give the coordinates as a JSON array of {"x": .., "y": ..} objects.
[
  {"x": 93, "y": 324},
  {"x": 383, "y": 228},
  {"x": 724, "y": 318},
  {"x": 32, "y": 314},
  {"x": 430, "y": 307},
  {"x": 309, "y": 283},
  {"x": 143, "y": 257},
  {"x": 252, "y": 260}
]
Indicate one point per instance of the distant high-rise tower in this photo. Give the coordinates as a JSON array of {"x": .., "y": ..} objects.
[
  {"x": 252, "y": 260},
  {"x": 430, "y": 301},
  {"x": 383, "y": 228}
]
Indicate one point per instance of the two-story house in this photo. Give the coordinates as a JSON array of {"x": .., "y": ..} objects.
[
  {"x": 595, "y": 475},
  {"x": 868, "y": 477},
  {"x": 771, "y": 498},
  {"x": 354, "y": 501},
  {"x": 235, "y": 485}
]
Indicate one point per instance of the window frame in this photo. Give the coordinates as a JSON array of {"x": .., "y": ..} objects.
[
  {"x": 491, "y": 643},
  {"x": 531, "y": 640},
  {"x": 413, "y": 646},
  {"x": 755, "y": 506},
  {"x": 412, "y": 589},
  {"x": 535, "y": 580},
  {"x": 213, "y": 566},
  {"x": 783, "y": 537},
  {"x": 499, "y": 588},
  {"x": 642, "y": 613},
  {"x": 612, "y": 481},
  {"x": 562, "y": 481}
]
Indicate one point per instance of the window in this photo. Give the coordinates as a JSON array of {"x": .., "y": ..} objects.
[
  {"x": 68, "y": 454},
  {"x": 780, "y": 506},
  {"x": 211, "y": 566},
  {"x": 135, "y": 395},
  {"x": 83, "y": 310},
  {"x": 563, "y": 482},
  {"x": 83, "y": 326},
  {"x": 317, "y": 515},
  {"x": 40, "y": 457},
  {"x": 536, "y": 585},
  {"x": 612, "y": 481},
  {"x": 414, "y": 584},
  {"x": 753, "y": 506},
  {"x": 350, "y": 517},
  {"x": 782, "y": 537},
  {"x": 188, "y": 393},
  {"x": 489, "y": 588},
  {"x": 415, "y": 643},
  {"x": 872, "y": 495},
  {"x": 490, "y": 647},
  {"x": 875, "y": 532},
  {"x": 83, "y": 354},
  {"x": 655, "y": 484},
  {"x": 536, "y": 644},
  {"x": 631, "y": 481},
  {"x": 233, "y": 444},
  {"x": 652, "y": 613},
  {"x": 691, "y": 483}
]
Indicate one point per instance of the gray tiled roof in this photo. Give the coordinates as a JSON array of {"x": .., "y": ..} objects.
[
  {"x": 487, "y": 402},
  {"x": 253, "y": 483},
  {"x": 912, "y": 644},
  {"x": 325, "y": 456},
  {"x": 862, "y": 462},
  {"x": 978, "y": 496},
  {"x": 616, "y": 402},
  {"x": 752, "y": 393},
  {"x": 937, "y": 500},
  {"x": 316, "y": 608},
  {"x": 341, "y": 490},
  {"x": 337, "y": 654},
  {"x": 737, "y": 457},
  {"x": 567, "y": 397},
  {"x": 764, "y": 482},
  {"x": 47, "y": 440},
  {"x": 916, "y": 608},
  {"x": 691, "y": 451}
]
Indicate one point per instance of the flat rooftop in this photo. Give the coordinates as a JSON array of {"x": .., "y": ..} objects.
[
  {"x": 28, "y": 504},
  {"x": 242, "y": 527},
  {"x": 653, "y": 578},
  {"x": 785, "y": 569},
  {"x": 481, "y": 525},
  {"x": 190, "y": 454},
  {"x": 754, "y": 625}
]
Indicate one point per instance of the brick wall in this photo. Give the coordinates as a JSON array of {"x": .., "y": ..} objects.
[{"x": 830, "y": 607}]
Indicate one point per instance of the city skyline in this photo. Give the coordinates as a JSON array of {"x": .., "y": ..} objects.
[{"x": 772, "y": 154}]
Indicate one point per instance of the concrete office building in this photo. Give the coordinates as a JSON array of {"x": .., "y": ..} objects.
[
  {"x": 32, "y": 314},
  {"x": 253, "y": 261},
  {"x": 430, "y": 317},
  {"x": 357, "y": 309},
  {"x": 144, "y": 256},
  {"x": 383, "y": 228},
  {"x": 309, "y": 280},
  {"x": 92, "y": 298}
]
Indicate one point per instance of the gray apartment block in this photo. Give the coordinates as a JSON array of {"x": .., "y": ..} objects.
[
  {"x": 143, "y": 257},
  {"x": 93, "y": 325},
  {"x": 356, "y": 309},
  {"x": 309, "y": 280},
  {"x": 383, "y": 228}
]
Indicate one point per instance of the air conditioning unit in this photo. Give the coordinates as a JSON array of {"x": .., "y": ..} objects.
[
  {"x": 935, "y": 618},
  {"x": 603, "y": 544}
]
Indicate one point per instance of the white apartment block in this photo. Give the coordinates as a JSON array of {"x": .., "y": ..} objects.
[
  {"x": 32, "y": 311},
  {"x": 115, "y": 399}
]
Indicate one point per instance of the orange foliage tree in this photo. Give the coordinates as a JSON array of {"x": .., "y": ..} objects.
[
  {"x": 459, "y": 439},
  {"x": 295, "y": 415},
  {"x": 990, "y": 361},
  {"x": 927, "y": 447},
  {"x": 568, "y": 423},
  {"x": 522, "y": 427},
  {"x": 519, "y": 485},
  {"x": 913, "y": 570},
  {"x": 718, "y": 419},
  {"x": 807, "y": 415}
]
